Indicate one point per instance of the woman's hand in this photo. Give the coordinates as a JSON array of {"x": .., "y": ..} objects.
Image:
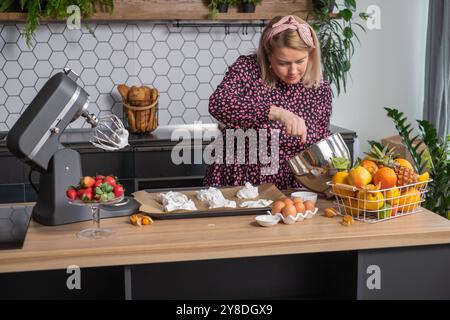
[{"x": 295, "y": 126}]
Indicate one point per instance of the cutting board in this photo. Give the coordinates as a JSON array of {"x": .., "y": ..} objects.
[{"x": 150, "y": 205}]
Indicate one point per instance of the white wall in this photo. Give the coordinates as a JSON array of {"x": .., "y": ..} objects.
[{"x": 387, "y": 71}]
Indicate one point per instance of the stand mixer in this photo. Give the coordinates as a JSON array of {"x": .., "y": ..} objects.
[{"x": 35, "y": 139}]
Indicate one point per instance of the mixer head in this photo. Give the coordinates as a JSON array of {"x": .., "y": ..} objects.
[
  {"x": 110, "y": 134},
  {"x": 34, "y": 138}
]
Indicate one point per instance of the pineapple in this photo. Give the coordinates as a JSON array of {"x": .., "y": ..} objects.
[
  {"x": 405, "y": 176},
  {"x": 385, "y": 157}
]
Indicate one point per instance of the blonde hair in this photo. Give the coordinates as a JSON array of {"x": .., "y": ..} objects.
[{"x": 291, "y": 39}]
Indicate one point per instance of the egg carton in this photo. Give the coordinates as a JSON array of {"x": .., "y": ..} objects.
[{"x": 270, "y": 219}]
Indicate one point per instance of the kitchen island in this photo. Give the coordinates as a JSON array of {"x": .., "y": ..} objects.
[{"x": 233, "y": 257}]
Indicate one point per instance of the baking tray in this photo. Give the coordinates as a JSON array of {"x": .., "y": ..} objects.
[{"x": 154, "y": 209}]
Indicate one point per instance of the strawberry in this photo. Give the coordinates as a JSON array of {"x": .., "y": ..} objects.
[
  {"x": 87, "y": 182},
  {"x": 99, "y": 177},
  {"x": 110, "y": 180},
  {"x": 80, "y": 192},
  {"x": 118, "y": 190},
  {"x": 97, "y": 183},
  {"x": 71, "y": 193},
  {"x": 87, "y": 195}
]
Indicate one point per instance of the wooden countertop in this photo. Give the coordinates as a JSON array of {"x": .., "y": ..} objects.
[{"x": 214, "y": 238}]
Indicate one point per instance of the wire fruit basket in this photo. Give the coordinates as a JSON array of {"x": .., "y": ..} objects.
[{"x": 374, "y": 205}]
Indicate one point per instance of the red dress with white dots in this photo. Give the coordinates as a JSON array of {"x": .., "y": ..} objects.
[{"x": 242, "y": 101}]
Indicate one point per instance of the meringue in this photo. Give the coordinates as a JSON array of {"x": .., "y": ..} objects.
[
  {"x": 176, "y": 201},
  {"x": 262, "y": 203},
  {"x": 215, "y": 198},
  {"x": 248, "y": 192}
]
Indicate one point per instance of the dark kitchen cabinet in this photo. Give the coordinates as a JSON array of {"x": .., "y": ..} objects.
[
  {"x": 155, "y": 168},
  {"x": 146, "y": 164}
]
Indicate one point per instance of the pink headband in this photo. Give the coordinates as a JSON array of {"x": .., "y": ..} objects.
[{"x": 289, "y": 22}]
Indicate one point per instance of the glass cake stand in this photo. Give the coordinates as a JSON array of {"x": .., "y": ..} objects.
[{"x": 96, "y": 232}]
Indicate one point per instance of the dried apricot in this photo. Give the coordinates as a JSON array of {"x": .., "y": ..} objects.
[
  {"x": 330, "y": 212},
  {"x": 347, "y": 220},
  {"x": 146, "y": 220}
]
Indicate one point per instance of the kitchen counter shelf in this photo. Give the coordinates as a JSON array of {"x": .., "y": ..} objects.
[{"x": 183, "y": 10}]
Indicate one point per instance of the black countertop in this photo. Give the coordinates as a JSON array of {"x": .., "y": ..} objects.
[{"x": 162, "y": 136}]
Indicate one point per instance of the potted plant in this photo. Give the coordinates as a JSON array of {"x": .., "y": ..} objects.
[
  {"x": 218, "y": 6},
  {"x": 336, "y": 34},
  {"x": 36, "y": 9},
  {"x": 249, "y": 6},
  {"x": 434, "y": 159},
  {"x": 222, "y": 5}
]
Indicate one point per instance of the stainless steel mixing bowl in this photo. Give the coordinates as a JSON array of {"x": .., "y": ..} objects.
[{"x": 313, "y": 168}]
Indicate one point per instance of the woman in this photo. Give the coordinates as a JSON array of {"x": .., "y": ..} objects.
[{"x": 277, "y": 92}]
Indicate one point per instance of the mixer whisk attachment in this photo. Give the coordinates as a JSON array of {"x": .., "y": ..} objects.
[{"x": 110, "y": 134}]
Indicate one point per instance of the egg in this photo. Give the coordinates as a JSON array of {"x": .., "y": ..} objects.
[
  {"x": 288, "y": 201},
  {"x": 300, "y": 207},
  {"x": 309, "y": 205},
  {"x": 278, "y": 206},
  {"x": 296, "y": 200},
  {"x": 289, "y": 210}
]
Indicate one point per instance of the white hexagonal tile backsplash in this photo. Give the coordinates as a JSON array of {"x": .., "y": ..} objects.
[{"x": 184, "y": 63}]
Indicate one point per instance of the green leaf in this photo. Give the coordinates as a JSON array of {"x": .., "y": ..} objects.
[
  {"x": 340, "y": 163},
  {"x": 348, "y": 32},
  {"x": 98, "y": 190},
  {"x": 435, "y": 157},
  {"x": 364, "y": 16},
  {"x": 350, "y": 4},
  {"x": 347, "y": 65},
  {"x": 346, "y": 14},
  {"x": 6, "y": 5}
]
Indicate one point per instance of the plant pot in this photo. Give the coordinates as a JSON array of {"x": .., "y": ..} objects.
[
  {"x": 248, "y": 7},
  {"x": 319, "y": 5},
  {"x": 222, "y": 7}
]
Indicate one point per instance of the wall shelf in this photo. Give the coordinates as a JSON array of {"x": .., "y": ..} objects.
[{"x": 184, "y": 10}]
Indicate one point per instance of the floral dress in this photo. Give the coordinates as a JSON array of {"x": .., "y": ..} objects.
[{"x": 242, "y": 101}]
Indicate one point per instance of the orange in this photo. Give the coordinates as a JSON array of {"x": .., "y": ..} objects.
[
  {"x": 409, "y": 200},
  {"x": 359, "y": 177},
  {"x": 394, "y": 212},
  {"x": 385, "y": 177},
  {"x": 370, "y": 166},
  {"x": 405, "y": 163}
]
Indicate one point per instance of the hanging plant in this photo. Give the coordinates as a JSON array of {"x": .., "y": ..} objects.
[
  {"x": 56, "y": 9},
  {"x": 337, "y": 33}
]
